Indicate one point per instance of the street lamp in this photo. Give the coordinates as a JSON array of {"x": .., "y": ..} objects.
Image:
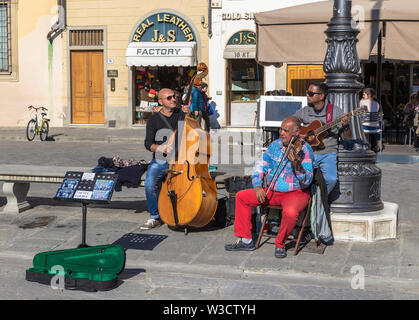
[{"x": 359, "y": 187}]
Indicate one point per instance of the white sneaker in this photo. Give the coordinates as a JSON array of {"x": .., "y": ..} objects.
[{"x": 150, "y": 224}]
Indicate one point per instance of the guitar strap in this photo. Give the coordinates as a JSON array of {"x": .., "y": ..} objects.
[{"x": 329, "y": 112}]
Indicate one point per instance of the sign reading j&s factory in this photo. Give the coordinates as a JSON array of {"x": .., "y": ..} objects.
[{"x": 163, "y": 27}]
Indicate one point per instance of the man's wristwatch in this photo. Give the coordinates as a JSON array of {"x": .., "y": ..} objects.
[{"x": 346, "y": 127}]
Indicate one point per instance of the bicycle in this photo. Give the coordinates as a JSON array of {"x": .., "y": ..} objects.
[{"x": 33, "y": 128}]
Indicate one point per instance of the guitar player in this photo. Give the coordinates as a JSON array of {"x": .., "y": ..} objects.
[{"x": 317, "y": 109}]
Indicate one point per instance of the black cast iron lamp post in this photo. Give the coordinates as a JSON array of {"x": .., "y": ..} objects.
[{"x": 359, "y": 186}]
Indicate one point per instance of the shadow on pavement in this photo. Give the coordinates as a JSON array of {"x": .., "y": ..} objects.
[
  {"x": 52, "y": 136},
  {"x": 137, "y": 205},
  {"x": 130, "y": 273}
]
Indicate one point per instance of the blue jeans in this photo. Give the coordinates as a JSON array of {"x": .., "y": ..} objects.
[
  {"x": 328, "y": 166},
  {"x": 155, "y": 173}
]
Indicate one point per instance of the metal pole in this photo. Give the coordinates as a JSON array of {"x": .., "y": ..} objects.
[
  {"x": 359, "y": 179},
  {"x": 379, "y": 66},
  {"x": 83, "y": 226}
]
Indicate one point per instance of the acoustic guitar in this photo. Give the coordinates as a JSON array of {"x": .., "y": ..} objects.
[{"x": 315, "y": 131}]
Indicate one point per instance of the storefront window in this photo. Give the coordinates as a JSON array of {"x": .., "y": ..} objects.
[
  {"x": 149, "y": 81},
  {"x": 246, "y": 80},
  {"x": 415, "y": 79}
]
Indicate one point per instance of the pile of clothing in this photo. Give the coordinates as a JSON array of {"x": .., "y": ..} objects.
[{"x": 129, "y": 171}]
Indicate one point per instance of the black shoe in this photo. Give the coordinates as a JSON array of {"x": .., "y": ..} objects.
[
  {"x": 240, "y": 246},
  {"x": 280, "y": 253}
]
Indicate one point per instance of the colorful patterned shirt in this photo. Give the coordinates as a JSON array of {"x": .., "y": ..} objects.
[{"x": 289, "y": 178}]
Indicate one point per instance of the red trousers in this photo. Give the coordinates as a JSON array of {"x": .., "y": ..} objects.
[{"x": 292, "y": 204}]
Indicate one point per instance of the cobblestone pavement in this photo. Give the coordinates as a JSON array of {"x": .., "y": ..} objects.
[{"x": 196, "y": 266}]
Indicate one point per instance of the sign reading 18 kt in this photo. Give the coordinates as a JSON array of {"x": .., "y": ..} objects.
[{"x": 242, "y": 54}]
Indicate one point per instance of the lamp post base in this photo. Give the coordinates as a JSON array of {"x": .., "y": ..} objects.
[
  {"x": 366, "y": 226},
  {"x": 359, "y": 183}
]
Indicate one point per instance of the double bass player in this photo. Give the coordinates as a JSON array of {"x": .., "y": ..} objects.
[
  {"x": 158, "y": 130},
  {"x": 290, "y": 189}
]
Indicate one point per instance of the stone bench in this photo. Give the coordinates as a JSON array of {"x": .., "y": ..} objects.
[{"x": 17, "y": 179}]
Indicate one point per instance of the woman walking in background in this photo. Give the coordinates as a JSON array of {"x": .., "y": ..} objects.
[{"x": 371, "y": 123}]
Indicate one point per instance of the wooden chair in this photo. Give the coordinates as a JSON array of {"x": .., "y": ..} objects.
[{"x": 265, "y": 219}]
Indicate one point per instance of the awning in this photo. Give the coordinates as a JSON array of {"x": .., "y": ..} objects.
[
  {"x": 296, "y": 34},
  {"x": 240, "y": 52},
  {"x": 161, "y": 54}
]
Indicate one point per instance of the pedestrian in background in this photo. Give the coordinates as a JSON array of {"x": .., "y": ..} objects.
[
  {"x": 371, "y": 121},
  {"x": 408, "y": 111},
  {"x": 197, "y": 104},
  {"x": 205, "y": 112}
]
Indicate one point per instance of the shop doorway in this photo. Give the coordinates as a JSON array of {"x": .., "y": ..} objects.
[
  {"x": 87, "y": 87},
  {"x": 299, "y": 76},
  {"x": 245, "y": 85},
  {"x": 147, "y": 81},
  {"x": 395, "y": 88},
  {"x": 398, "y": 81}
]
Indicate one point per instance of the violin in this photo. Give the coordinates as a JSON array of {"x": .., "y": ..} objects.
[{"x": 292, "y": 153}]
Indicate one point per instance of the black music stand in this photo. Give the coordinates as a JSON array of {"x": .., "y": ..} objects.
[{"x": 86, "y": 188}]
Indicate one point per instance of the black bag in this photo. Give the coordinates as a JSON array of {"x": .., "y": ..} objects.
[
  {"x": 220, "y": 217},
  {"x": 233, "y": 185},
  {"x": 236, "y": 183}
]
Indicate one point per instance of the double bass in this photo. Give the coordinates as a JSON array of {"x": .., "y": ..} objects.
[{"x": 188, "y": 196}]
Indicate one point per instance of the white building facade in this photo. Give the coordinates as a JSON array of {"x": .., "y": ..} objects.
[{"x": 236, "y": 80}]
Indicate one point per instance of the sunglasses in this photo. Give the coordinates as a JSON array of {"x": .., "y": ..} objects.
[
  {"x": 171, "y": 97},
  {"x": 311, "y": 93}
]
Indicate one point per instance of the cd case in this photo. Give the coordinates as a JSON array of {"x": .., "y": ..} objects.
[{"x": 86, "y": 186}]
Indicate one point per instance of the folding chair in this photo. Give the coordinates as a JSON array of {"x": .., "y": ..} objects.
[
  {"x": 262, "y": 233},
  {"x": 375, "y": 117}
]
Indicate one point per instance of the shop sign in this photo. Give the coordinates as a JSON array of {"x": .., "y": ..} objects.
[
  {"x": 244, "y": 37},
  {"x": 236, "y": 52},
  {"x": 154, "y": 51},
  {"x": 112, "y": 73},
  {"x": 163, "y": 27},
  {"x": 238, "y": 16},
  {"x": 241, "y": 55},
  {"x": 161, "y": 54}
]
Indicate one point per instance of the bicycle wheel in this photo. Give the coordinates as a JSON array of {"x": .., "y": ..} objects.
[
  {"x": 31, "y": 130},
  {"x": 43, "y": 134}
]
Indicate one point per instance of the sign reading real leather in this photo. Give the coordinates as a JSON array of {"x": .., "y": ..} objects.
[{"x": 163, "y": 27}]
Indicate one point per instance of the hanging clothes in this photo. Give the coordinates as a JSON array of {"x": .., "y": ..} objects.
[
  {"x": 320, "y": 210},
  {"x": 129, "y": 171}
]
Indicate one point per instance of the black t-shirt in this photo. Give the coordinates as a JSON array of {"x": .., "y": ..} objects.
[{"x": 159, "y": 131}]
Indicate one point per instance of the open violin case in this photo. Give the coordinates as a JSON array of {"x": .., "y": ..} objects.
[{"x": 88, "y": 269}]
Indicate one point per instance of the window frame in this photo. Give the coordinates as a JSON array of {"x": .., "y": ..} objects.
[
  {"x": 8, "y": 69},
  {"x": 12, "y": 37}
]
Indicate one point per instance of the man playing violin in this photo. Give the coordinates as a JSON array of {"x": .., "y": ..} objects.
[
  {"x": 290, "y": 189},
  {"x": 159, "y": 128},
  {"x": 325, "y": 159}
]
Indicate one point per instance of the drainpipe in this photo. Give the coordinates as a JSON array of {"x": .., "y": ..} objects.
[
  {"x": 209, "y": 19},
  {"x": 60, "y": 25}
]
